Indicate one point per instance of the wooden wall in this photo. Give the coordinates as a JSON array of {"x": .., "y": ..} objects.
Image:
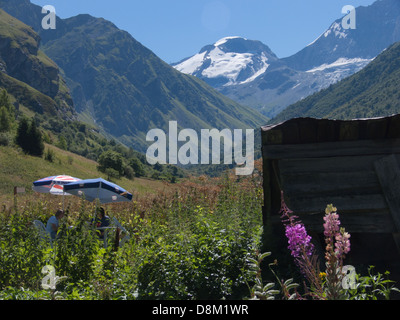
[{"x": 354, "y": 165}]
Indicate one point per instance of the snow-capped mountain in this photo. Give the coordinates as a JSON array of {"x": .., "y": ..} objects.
[
  {"x": 250, "y": 73},
  {"x": 377, "y": 27},
  {"x": 230, "y": 61},
  {"x": 282, "y": 86}
]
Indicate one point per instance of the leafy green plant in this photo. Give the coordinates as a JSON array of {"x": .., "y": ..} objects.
[
  {"x": 372, "y": 287},
  {"x": 21, "y": 251},
  {"x": 77, "y": 248},
  {"x": 260, "y": 291}
]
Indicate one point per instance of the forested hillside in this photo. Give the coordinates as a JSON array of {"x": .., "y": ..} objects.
[{"x": 372, "y": 92}]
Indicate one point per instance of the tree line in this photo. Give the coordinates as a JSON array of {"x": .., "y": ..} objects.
[{"x": 28, "y": 136}]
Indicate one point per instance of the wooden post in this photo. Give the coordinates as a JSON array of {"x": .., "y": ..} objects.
[{"x": 116, "y": 242}]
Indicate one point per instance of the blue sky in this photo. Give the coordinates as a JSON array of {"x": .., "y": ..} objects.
[{"x": 176, "y": 29}]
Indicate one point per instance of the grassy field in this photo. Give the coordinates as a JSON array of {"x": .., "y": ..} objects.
[
  {"x": 188, "y": 240},
  {"x": 20, "y": 170}
]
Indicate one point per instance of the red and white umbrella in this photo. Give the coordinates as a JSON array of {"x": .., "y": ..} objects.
[{"x": 54, "y": 185}]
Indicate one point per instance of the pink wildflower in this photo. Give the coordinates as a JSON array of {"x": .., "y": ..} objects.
[
  {"x": 299, "y": 240},
  {"x": 336, "y": 238},
  {"x": 331, "y": 225},
  {"x": 342, "y": 244}
]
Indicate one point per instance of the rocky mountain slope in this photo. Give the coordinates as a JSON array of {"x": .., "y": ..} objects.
[{"x": 27, "y": 73}]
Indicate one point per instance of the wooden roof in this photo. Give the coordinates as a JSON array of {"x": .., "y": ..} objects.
[{"x": 310, "y": 130}]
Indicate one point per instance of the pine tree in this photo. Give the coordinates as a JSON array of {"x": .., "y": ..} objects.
[
  {"x": 29, "y": 137},
  {"x": 36, "y": 146},
  {"x": 7, "y": 112},
  {"x": 5, "y": 119},
  {"x": 22, "y": 134},
  {"x": 5, "y": 102}
]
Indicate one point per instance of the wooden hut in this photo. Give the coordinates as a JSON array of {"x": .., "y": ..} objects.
[{"x": 354, "y": 165}]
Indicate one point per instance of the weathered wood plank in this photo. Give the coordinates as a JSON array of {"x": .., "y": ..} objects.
[
  {"x": 272, "y": 137},
  {"x": 368, "y": 222},
  {"x": 313, "y": 204},
  {"x": 362, "y": 222},
  {"x": 377, "y": 129},
  {"x": 267, "y": 191},
  {"x": 388, "y": 172},
  {"x": 326, "y": 131},
  {"x": 330, "y": 183},
  {"x": 332, "y": 149},
  {"x": 349, "y": 130},
  {"x": 333, "y": 164}
]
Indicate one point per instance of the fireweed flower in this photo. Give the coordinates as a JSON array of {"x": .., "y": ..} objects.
[
  {"x": 299, "y": 240},
  {"x": 301, "y": 248}
]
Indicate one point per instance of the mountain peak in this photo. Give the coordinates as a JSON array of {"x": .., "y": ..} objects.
[
  {"x": 229, "y": 61},
  {"x": 242, "y": 45},
  {"x": 377, "y": 27},
  {"x": 226, "y": 39}
]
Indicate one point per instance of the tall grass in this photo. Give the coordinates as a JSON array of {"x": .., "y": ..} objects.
[{"x": 187, "y": 242}]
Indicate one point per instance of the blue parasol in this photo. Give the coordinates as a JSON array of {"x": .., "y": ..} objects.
[{"x": 92, "y": 189}]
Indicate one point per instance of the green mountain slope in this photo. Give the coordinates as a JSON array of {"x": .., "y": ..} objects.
[
  {"x": 34, "y": 82},
  {"x": 27, "y": 73},
  {"x": 124, "y": 88},
  {"x": 372, "y": 92},
  {"x": 128, "y": 90}
]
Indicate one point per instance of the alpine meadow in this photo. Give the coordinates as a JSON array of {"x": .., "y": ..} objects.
[{"x": 227, "y": 176}]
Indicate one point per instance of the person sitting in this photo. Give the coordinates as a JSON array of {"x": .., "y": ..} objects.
[
  {"x": 53, "y": 223},
  {"x": 102, "y": 221}
]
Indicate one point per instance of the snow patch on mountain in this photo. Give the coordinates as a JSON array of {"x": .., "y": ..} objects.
[
  {"x": 342, "y": 62},
  {"x": 192, "y": 65},
  {"x": 337, "y": 29},
  {"x": 230, "y": 64},
  {"x": 226, "y": 64},
  {"x": 226, "y": 39},
  {"x": 260, "y": 72}
]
